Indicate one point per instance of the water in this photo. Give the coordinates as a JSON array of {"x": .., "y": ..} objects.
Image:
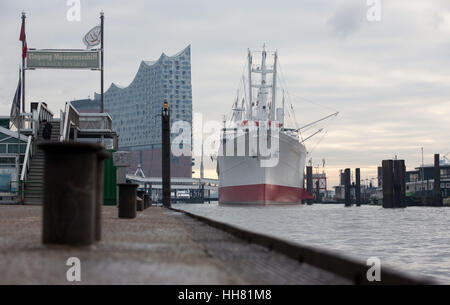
[{"x": 415, "y": 240}]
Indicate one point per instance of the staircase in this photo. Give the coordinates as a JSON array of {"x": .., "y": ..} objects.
[{"x": 34, "y": 186}]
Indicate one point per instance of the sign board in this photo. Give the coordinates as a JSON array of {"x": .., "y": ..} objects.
[{"x": 62, "y": 59}]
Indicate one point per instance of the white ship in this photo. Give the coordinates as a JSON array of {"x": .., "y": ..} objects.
[{"x": 248, "y": 172}]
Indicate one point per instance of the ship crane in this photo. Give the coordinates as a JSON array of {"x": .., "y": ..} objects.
[{"x": 320, "y": 120}]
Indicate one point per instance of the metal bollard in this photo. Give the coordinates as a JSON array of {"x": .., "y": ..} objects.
[
  {"x": 147, "y": 201},
  {"x": 140, "y": 201},
  {"x": 101, "y": 157},
  {"x": 139, "y": 204},
  {"x": 69, "y": 193},
  {"x": 127, "y": 200}
]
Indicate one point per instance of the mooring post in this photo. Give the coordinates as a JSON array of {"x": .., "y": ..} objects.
[
  {"x": 127, "y": 200},
  {"x": 140, "y": 201},
  {"x": 70, "y": 185},
  {"x": 358, "y": 187},
  {"x": 309, "y": 183},
  {"x": 437, "y": 182},
  {"x": 101, "y": 157},
  {"x": 317, "y": 191},
  {"x": 147, "y": 201},
  {"x": 348, "y": 199},
  {"x": 399, "y": 184},
  {"x": 121, "y": 160},
  {"x": 380, "y": 176},
  {"x": 388, "y": 183},
  {"x": 165, "y": 119}
]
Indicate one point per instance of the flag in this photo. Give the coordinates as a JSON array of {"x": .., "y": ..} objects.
[
  {"x": 23, "y": 38},
  {"x": 93, "y": 37},
  {"x": 15, "y": 109}
]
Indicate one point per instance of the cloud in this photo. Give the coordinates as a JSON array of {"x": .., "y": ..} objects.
[{"x": 348, "y": 18}]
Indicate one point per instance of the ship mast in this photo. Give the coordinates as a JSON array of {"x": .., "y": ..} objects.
[
  {"x": 262, "y": 102},
  {"x": 250, "y": 88},
  {"x": 274, "y": 89},
  {"x": 265, "y": 106}
]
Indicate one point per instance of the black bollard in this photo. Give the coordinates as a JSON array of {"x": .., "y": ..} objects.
[
  {"x": 101, "y": 157},
  {"x": 348, "y": 199},
  {"x": 127, "y": 200},
  {"x": 388, "y": 183},
  {"x": 147, "y": 200},
  {"x": 140, "y": 201},
  {"x": 437, "y": 182},
  {"x": 165, "y": 122},
  {"x": 358, "y": 187},
  {"x": 70, "y": 177}
]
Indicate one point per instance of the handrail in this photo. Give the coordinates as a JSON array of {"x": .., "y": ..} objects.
[
  {"x": 26, "y": 162},
  {"x": 71, "y": 116},
  {"x": 95, "y": 121},
  {"x": 41, "y": 114}
]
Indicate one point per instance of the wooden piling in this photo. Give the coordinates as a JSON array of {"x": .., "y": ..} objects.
[
  {"x": 348, "y": 199},
  {"x": 399, "y": 184},
  {"x": 388, "y": 183},
  {"x": 358, "y": 187},
  {"x": 309, "y": 182},
  {"x": 437, "y": 197}
]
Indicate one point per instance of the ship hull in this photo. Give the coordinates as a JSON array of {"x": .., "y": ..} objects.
[{"x": 243, "y": 181}]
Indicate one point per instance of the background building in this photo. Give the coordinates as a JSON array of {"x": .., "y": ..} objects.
[
  {"x": 9, "y": 144},
  {"x": 136, "y": 111}
]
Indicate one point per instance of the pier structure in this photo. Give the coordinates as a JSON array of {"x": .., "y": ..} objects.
[
  {"x": 182, "y": 189},
  {"x": 70, "y": 126}
]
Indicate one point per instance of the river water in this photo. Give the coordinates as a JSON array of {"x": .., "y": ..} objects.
[{"x": 415, "y": 240}]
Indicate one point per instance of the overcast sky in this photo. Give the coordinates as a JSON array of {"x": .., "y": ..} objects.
[{"x": 390, "y": 80}]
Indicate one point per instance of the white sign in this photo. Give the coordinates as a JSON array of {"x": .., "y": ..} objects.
[
  {"x": 93, "y": 37},
  {"x": 74, "y": 272}
]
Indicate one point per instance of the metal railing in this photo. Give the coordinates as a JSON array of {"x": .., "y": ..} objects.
[
  {"x": 95, "y": 121},
  {"x": 26, "y": 160},
  {"x": 71, "y": 117},
  {"x": 40, "y": 115},
  {"x": 32, "y": 121}
]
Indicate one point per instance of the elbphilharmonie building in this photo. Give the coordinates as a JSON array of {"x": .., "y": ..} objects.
[{"x": 136, "y": 110}]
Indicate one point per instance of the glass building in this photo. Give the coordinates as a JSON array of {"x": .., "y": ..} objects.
[{"x": 136, "y": 110}]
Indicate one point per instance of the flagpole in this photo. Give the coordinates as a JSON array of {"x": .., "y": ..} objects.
[
  {"x": 102, "y": 17},
  {"x": 23, "y": 62},
  {"x": 18, "y": 148}
]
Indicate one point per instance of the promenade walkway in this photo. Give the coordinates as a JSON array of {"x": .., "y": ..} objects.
[{"x": 160, "y": 246}]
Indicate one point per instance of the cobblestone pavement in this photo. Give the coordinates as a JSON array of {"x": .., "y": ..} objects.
[{"x": 158, "y": 247}]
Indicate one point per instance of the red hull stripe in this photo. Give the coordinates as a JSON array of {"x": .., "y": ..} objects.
[{"x": 262, "y": 193}]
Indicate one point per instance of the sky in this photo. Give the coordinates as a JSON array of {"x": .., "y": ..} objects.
[{"x": 389, "y": 79}]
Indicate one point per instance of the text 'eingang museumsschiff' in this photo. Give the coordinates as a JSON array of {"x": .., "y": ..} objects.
[{"x": 136, "y": 111}]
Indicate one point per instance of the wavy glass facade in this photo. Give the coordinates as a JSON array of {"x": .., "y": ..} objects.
[{"x": 136, "y": 110}]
